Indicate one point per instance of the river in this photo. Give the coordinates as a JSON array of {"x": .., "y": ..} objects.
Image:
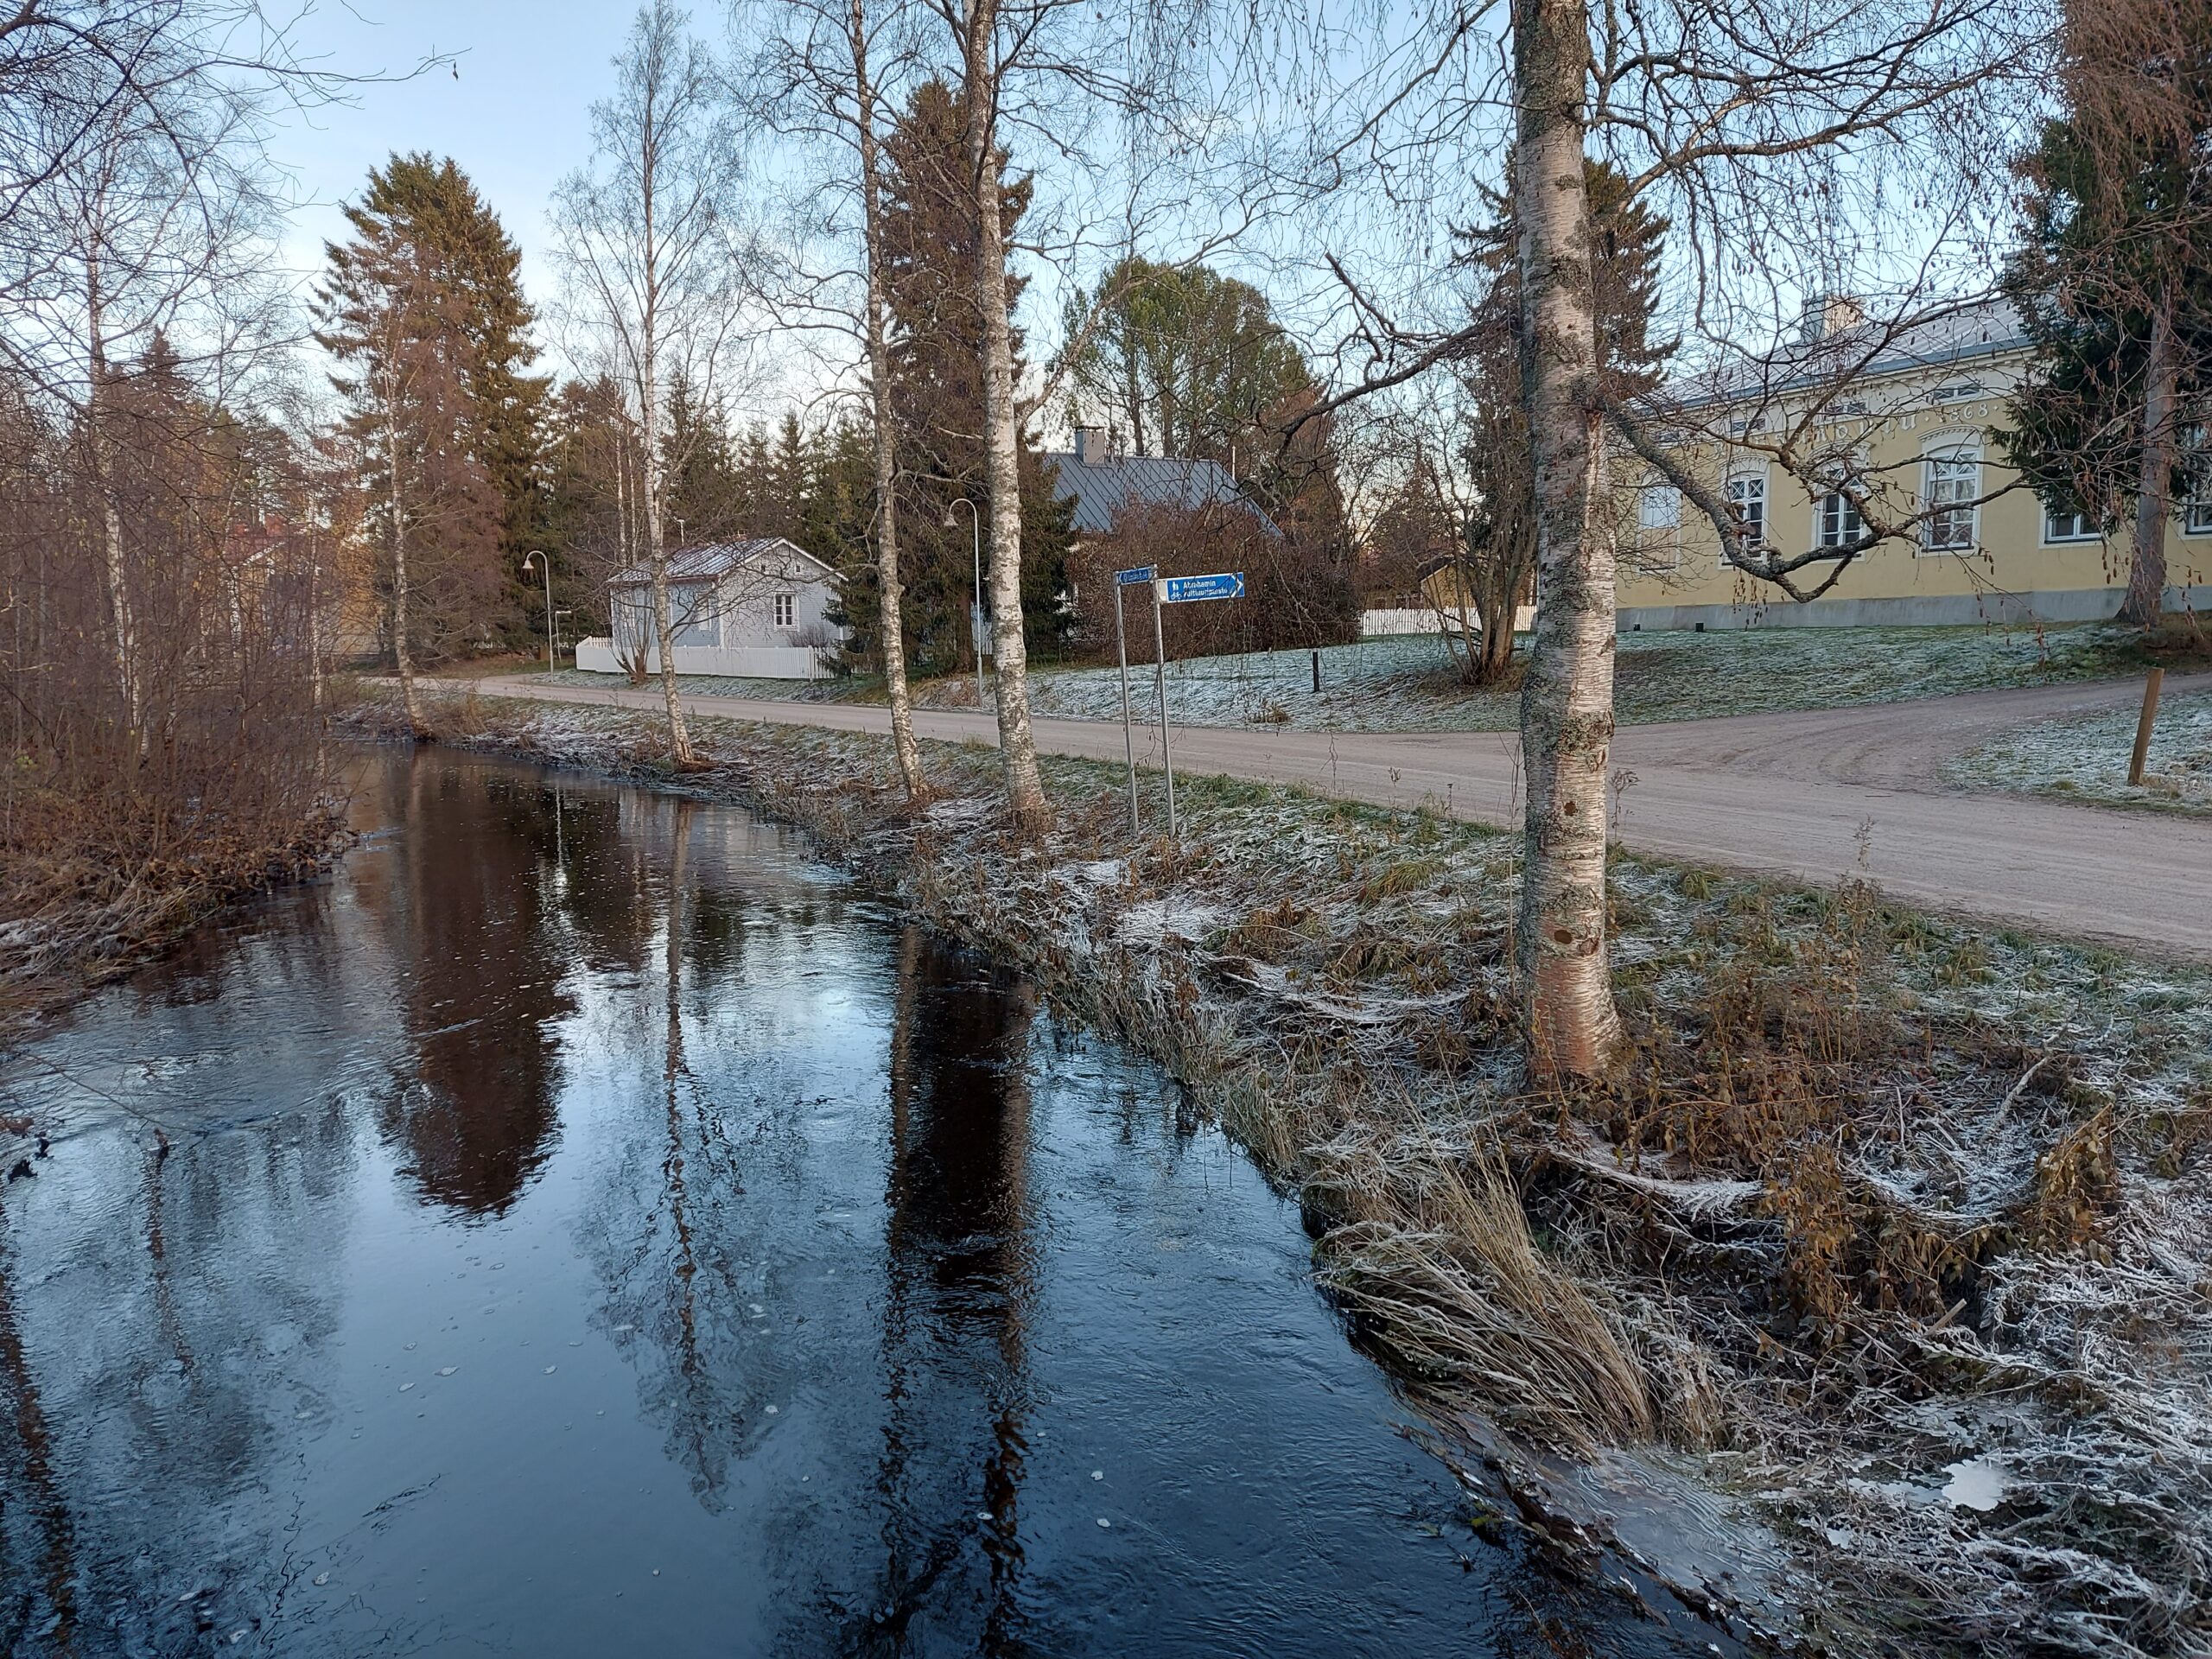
[{"x": 588, "y": 1223}]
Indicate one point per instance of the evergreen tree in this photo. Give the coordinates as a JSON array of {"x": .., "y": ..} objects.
[
  {"x": 430, "y": 207},
  {"x": 398, "y": 330},
  {"x": 709, "y": 494},
  {"x": 932, "y": 240},
  {"x": 2114, "y": 282}
]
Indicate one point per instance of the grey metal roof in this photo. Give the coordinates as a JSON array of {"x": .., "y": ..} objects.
[
  {"x": 711, "y": 560},
  {"x": 1105, "y": 486},
  {"x": 1957, "y": 335}
]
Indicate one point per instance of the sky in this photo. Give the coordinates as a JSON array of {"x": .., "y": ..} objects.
[{"x": 512, "y": 109}]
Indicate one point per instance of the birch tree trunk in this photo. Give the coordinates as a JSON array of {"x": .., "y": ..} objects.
[
  {"x": 403, "y": 654},
  {"x": 1025, "y": 788},
  {"x": 1566, "y": 703},
  {"x": 886, "y": 470},
  {"x": 103, "y": 468},
  {"x": 656, "y": 553},
  {"x": 2146, "y": 600}
]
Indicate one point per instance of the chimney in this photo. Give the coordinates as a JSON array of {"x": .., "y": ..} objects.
[
  {"x": 1090, "y": 445},
  {"x": 1826, "y": 314}
]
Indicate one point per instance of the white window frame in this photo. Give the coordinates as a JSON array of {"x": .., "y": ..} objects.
[
  {"x": 2197, "y": 489},
  {"x": 787, "y": 610},
  {"x": 1659, "y": 522},
  {"x": 1836, "y": 521},
  {"x": 1953, "y": 520},
  {"x": 2086, "y": 530},
  {"x": 1738, "y": 490}
]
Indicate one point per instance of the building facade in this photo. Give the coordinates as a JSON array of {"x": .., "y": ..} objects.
[
  {"x": 757, "y": 609},
  {"x": 1916, "y": 419}
]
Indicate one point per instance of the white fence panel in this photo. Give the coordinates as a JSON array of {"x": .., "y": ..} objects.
[{"x": 733, "y": 662}]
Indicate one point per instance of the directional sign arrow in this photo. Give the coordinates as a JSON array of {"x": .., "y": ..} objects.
[{"x": 1186, "y": 590}]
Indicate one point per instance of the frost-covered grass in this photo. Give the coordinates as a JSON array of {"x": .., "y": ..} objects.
[
  {"x": 1888, "y": 1245},
  {"x": 1408, "y": 683},
  {"x": 855, "y": 688},
  {"x": 2084, "y": 758}
]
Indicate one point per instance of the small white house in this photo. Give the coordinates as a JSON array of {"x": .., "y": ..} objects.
[{"x": 759, "y": 609}]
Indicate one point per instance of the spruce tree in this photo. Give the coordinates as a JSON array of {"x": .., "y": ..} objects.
[
  {"x": 2113, "y": 283},
  {"x": 937, "y": 391},
  {"x": 431, "y": 204}
]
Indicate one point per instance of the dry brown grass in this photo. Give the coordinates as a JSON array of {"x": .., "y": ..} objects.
[{"x": 1437, "y": 1267}]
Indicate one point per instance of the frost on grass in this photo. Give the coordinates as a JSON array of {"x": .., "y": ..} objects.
[
  {"x": 2085, "y": 758},
  {"x": 1407, "y": 682},
  {"x": 1889, "y": 1247}
]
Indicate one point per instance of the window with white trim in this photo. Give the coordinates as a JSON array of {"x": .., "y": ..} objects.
[
  {"x": 1747, "y": 494},
  {"x": 2075, "y": 526},
  {"x": 2197, "y": 486},
  {"x": 786, "y": 609},
  {"x": 1659, "y": 507},
  {"x": 1836, "y": 522},
  {"x": 1658, "y": 521},
  {"x": 1951, "y": 487}
]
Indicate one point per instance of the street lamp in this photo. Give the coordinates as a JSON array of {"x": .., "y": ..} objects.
[
  {"x": 976, "y": 629},
  {"x": 544, "y": 560}
]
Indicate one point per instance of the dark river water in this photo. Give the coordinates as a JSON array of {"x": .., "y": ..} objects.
[{"x": 587, "y": 1224}]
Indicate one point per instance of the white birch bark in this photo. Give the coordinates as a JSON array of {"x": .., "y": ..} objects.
[
  {"x": 657, "y": 549},
  {"x": 1566, "y": 705},
  {"x": 1025, "y": 787},
  {"x": 115, "y": 570},
  {"x": 403, "y": 653},
  {"x": 886, "y": 472}
]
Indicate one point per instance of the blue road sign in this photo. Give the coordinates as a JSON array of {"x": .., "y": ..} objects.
[
  {"x": 1143, "y": 572},
  {"x": 1185, "y": 590}
]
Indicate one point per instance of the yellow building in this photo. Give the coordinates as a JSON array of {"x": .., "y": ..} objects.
[{"x": 1915, "y": 418}]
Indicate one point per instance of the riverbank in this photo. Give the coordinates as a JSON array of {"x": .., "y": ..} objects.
[
  {"x": 1884, "y": 1257},
  {"x": 83, "y": 905}
]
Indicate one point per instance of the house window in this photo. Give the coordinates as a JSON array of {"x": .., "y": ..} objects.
[
  {"x": 696, "y": 617},
  {"x": 1658, "y": 517},
  {"x": 1953, "y": 482},
  {"x": 786, "y": 609},
  {"x": 2068, "y": 527},
  {"x": 1836, "y": 522},
  {"x": 1747, "y": 494},
  {"x": 2196, "y": 470}
]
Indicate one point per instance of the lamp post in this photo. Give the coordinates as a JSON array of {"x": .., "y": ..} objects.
[
  {"x": 976, "y": 629},
  {"x": 544, "y": 561}
]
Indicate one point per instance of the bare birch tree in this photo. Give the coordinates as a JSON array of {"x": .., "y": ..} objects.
[
  {"x": 821, "y": 74},
  {"x": 1794, "y": 146},
  {"x": 646, "y": 239}
]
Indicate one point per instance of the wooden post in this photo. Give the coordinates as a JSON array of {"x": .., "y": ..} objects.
[
  {"x": 2143, "y": 726},
  {"x": 1317, "y": 673}
]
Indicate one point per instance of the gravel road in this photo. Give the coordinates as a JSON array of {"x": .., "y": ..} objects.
[{"x": 1814, "y": 796}]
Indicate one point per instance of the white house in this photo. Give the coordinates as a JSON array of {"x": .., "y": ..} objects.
[{"x": 758, "y": 608}]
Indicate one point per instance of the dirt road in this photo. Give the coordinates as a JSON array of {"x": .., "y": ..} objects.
[{"x": 1812, "y": 795}]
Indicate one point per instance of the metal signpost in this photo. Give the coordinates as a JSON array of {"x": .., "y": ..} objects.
[
  {"x": 1181, "y": 590},
  {"x": 1127, "y": 579}
]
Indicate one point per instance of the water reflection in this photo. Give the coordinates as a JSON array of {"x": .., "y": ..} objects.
[{"x": 587, "y": 1225}]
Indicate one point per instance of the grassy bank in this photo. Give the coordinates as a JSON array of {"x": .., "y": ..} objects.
[
  {"x": 94, "y": 882},
  {"x": 2084, "y": 758},
  {"x": 1877, "y": 1276},
  {"x": 1407, "y": 682}
]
